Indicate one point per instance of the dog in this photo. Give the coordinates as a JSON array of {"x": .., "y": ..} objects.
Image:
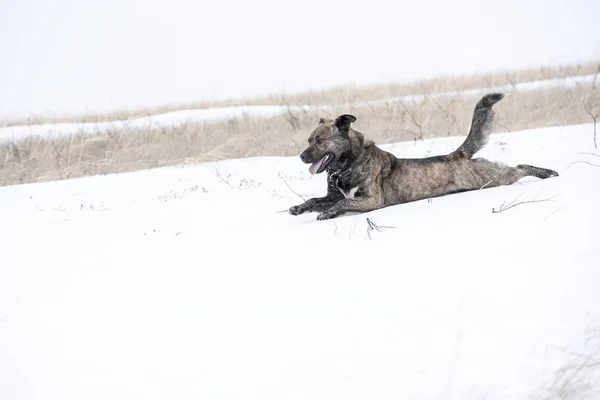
[{"x": 362, "y": 177}]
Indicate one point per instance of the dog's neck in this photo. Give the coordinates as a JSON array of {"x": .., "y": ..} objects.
[{"x": 350, "y": 158}]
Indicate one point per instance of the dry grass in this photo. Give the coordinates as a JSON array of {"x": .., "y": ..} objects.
[
  {"x": 36, "y": 160},
  {"x": 579, "y": 377},
  {"x": 339, "y": 94}
]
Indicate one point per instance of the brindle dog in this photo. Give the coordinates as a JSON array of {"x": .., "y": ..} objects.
[{"x": 361, "y": 177}]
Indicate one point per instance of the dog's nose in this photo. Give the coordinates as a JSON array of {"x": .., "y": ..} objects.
[{"x": 303, "y": 157}]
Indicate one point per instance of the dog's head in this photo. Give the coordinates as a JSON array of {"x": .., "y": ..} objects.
[{"x": 328, "y": 143}]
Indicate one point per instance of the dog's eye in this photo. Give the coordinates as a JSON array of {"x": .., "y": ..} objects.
[{"x": 319, "y": 140}]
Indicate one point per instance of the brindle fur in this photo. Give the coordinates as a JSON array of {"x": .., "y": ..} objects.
[{"x": 362, "y": 177}]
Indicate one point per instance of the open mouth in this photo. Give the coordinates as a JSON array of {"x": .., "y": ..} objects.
[{"x": 319, "y": 166}]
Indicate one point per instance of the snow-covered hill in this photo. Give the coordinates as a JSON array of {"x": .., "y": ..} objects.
[{"x": 187, "y": 283}]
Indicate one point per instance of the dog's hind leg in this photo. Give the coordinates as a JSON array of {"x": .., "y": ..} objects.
[
  {"x": 490, "y": 174},
  {"x": 510, "y": 175},
  {"x": 542, "y": 173}
]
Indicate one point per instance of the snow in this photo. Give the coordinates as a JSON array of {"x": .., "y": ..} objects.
[
  {"x": 182, "y": 117},
  {"x": 185, "y": 282}
]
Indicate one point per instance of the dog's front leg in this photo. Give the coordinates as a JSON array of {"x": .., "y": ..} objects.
[
  {"x": 317, "y": 204},
  {"x": 360, "y": 204}
]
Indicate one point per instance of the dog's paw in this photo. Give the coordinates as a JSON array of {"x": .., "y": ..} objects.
[
  {"x": 326, "y": 215},
  {"x": 548, "y": 173},
  {"x": 296, "y": 210}
]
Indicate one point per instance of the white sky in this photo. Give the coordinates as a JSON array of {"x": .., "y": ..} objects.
[{"x": 69, "y": 55}]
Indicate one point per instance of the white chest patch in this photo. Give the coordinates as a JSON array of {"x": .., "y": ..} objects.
[{"x": 350, "y": 193}]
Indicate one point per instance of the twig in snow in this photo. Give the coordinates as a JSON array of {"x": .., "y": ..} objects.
[
  {"x": 585, "y": 162},
  {"x": 590, "y": 154},
  {"x": 588, "y": 109},
  {"x": 553, "y": 212},
  {"x": 218, "y": 174},
  {"x": 292, "y": 190},
  {"x": 371, "y": 226},
  {"x": 513, "y": 203},
  {"x": 351, "y": 231}
]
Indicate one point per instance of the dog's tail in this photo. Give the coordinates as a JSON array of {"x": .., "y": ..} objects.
[{"x": 481, "y": 127}]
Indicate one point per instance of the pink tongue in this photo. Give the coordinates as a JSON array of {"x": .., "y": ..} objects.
[{"x": 315, "y": 166}]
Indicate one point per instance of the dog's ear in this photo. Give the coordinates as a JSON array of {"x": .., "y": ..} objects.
[{"x": 343, "y": 122}]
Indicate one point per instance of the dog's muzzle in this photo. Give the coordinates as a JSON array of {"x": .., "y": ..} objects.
[{"x": 303, "y": 157}]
